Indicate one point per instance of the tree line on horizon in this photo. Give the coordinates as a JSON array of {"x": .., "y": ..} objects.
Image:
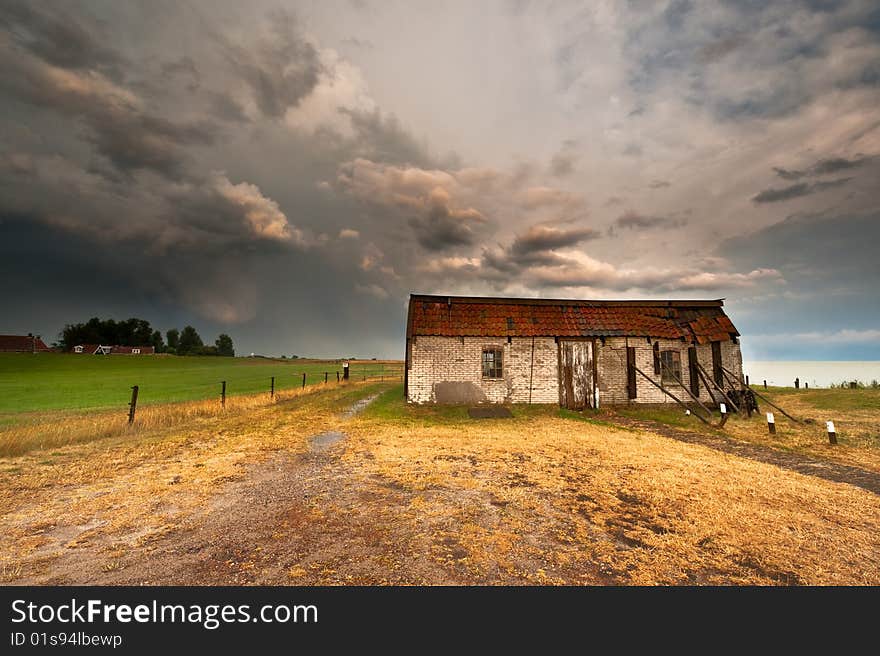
[{"x": 139, "y": 332}]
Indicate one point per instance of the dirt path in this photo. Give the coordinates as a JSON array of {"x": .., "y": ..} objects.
[
  {"x": 803, "y": 464},
  {"x": 270, "y": 526}
]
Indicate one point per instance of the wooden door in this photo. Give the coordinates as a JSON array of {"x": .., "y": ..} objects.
[{"x": 576, "y": 374}]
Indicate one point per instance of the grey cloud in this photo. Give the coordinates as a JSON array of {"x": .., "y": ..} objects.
[
  {"x": 119, "y": 129},
  {"x": 184, "y": 67},
  {"x": 786, "y": 51},
  {"x": 281, "y": 68},
  {"x": 716, "y": 50},
  {"x": 381, "y": 137},
  {"x": 544, "y": 238},
  {"x": 443, "y": 228},
  {"x": 536, "y": 248},
  {"x": 659, "y": 184},
  {"x": 823, "y": 167},
  {"x": 61, "y": 38},
  {"x": 834, "y": 164},
  {"x": 796, "y": 191},
  {"x": 363, "y": 44},
  {"x": 134, "y": 141},
  {"x": 632, "y": 220},
  {"x": 562, "y": 164},
  {"x": 788, "y": 174},
  {"x": 225, "y": 107}
]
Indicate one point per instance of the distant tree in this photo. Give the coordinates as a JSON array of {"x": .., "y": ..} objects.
[
  {"x": 208, "y": 350},
  {"x": 157, "y": 341},
  {"x": 224, "y": 345},
  {"x": 131, "y": 332},
  {"x": 190, "y": 342},
  {"x": 172, "y": 337}
]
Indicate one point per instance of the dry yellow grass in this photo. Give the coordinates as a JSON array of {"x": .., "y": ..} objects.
[
  {"x": 138, "y": 483},
  {"x": 40, "y": 431},
  {"x": 643, "y": 508},
  {"x": 858, "y": 428},
  {"x": 424, "y": 496}
]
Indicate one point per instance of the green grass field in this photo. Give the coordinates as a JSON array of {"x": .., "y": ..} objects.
[{"x": 54, "y": 381}]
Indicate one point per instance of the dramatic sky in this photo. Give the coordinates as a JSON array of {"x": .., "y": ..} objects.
[{"x": 288, "y": 172}]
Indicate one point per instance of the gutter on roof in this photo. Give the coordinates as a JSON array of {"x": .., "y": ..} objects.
[{"x": 498, "y": 300}]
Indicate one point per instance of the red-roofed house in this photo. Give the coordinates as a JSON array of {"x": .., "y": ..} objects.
[
  {"x": 22, "y": 344},
  {"x": 575, "y": 353}
]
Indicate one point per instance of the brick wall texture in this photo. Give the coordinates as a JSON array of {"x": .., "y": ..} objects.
[{"x": 530, "y": 369}]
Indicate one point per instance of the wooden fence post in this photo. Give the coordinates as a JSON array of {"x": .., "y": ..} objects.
[
  {"x": 304, "y": 380},
  {"x": 765, "y": 385},
  {"x": 832, "y": 434},
  {"x": 222, "y": 393},
  {"x": 345, "y": 371},
  {"x": 272, "y": 388},
  {"x": 337, "y": 376},
  {"x": 325, "y": 377},
  {"x": 132, "y": 406},
  {"x": 771, "y": 423}
]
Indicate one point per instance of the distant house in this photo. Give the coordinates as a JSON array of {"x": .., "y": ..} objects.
[
  {"x": 22, "y": 344},
  {"x": 578, "y": 353},
  {"x": 100, "y": 349}
]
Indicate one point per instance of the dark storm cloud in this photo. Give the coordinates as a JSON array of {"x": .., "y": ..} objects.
[
  {"x": 443, "y": 228},
  {"x": 823, "y": 167},
  {"x": 786, "y": 58},
  {"x": 835, "y": 164},
  {"x": 535, "y": 247},
  {"x": 544, "y": 238},
  {"x": 830, "y": 263},
  {"x": 185, "y": 68},
  {"x": 225, "y": 107},
  {"x": 120, "y": 130},
  {"x": 381, "y": 137},
  {"x": 135, "y": 141},
  {"x": 60, "y": 37},
  {"x": 796, "y": 191},
  {"x": 787, "y": 174},
  {"x": 632, "y": 220},
  {"x": 281, "y": 68}
]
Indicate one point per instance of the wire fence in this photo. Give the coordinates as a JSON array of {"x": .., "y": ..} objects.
[{"x": 272, "y": 385}]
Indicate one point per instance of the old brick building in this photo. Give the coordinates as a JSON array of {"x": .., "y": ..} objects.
[{"x": 575, "y": 353}]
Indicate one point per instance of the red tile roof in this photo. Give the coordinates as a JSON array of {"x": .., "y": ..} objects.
[
  {"x": 22, "y": 344},
  {"x": 457, "y": 316}
]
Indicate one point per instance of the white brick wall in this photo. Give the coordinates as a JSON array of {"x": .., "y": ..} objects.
[{"x": 455, "y": 359}]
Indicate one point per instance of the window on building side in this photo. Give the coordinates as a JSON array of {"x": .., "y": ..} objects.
[
  {"x": 492, "y": 363},
  {"x": 670, "y": 366}
]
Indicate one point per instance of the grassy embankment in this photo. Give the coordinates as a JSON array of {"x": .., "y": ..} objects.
[{"x": 49, "y": 400}]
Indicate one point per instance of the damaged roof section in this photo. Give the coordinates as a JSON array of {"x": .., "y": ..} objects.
[{"x": 461, "y": 316}]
